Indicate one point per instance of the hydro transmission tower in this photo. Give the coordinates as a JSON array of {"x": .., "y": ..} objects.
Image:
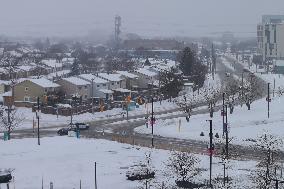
[{"x": 117, "y": 31}]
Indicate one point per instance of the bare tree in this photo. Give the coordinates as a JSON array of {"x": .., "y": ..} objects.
[
  {"x": 266, "y": 170},
  {"x": 10, "y": 119}
]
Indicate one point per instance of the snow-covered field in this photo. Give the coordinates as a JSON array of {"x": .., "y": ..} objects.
[
  {"x": 243, "y": 124},
  {"x": 65, "y": 161}
]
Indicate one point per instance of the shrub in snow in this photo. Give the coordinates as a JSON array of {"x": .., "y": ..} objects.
[
  {"x": 142, "y": 170},
  {"x": 183, "y": 167}
]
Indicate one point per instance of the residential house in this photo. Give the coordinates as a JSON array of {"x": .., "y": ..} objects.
[
  {"x": 146, "y": 77},
  {"x": 131, "y": 79},
  {"x": 115, "y": 80},
  {"x": 52, "y": 65},
  {"x": 74, "y": 86},
  {"x": 26, "y": 91},
  {"x": 99, "y": 86}
]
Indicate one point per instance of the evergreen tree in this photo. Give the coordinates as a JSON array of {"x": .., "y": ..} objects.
[
  {"x": 75, "y": 70},
  {"x": 192, "y": 67},
  {"x": 147, "y": 62},
  {"x": 170, "y": 83}
]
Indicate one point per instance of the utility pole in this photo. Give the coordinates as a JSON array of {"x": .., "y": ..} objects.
[
  {"x": 210, "y": 152},
  {"x": 38, "y": 134},
  {"x": 227, "y": 140},
  {"x": 224, "y": 174},
  {"x": 268, "y": 99},
  {"x": 96, "y": 186},
  {"x": 92, "y": 95},
  {"x": 152, "y": 122}
]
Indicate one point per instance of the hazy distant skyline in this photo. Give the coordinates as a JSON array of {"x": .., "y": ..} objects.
[{"x": 144, "y": 17}]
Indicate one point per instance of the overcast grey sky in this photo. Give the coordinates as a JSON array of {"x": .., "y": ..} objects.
[{"x": 145, "y": 17}]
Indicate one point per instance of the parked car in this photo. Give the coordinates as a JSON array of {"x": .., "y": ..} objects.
[
  {"x": 80, "y": 126},
  {"x": 139, "y": 172},
  {"x": 228, "y": 74}
]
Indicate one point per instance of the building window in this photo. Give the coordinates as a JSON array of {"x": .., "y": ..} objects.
[
  {"x": 45, "y": 90},
  {"x": 98, "y": 86},
  {"x": 79, "y": 88},
  {"x": 26, "y": 88},
  {"x": 112, "y": 83},
  {"x": 104, "y": 85},
  {"x": 86, "y": 96},
  {"x": 27, "y": 99},
  {"x": 117, "y": 82}
]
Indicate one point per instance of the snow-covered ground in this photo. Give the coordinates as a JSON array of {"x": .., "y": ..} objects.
[
  {"x": 243, "y": 124},
  {"x": 66, "y": 160}
]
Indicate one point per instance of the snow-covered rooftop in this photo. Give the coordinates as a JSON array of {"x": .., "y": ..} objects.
[
  {"x": 122, "y": 90},
  {"x": 110, "y": 77},
  {"x": 45, "y": 83},
  {"x": 127, "y": 74},
  {"x": 7, "y": 94},
  {"x": 52, "y": 63},
  {"x": 58, "y": 74},
  {"x": 3, "y": 82},
  {"x": 76, "y": 81},
  {"x": 90, "y": 77},
  {"x": 146, "y": 72},
  {"x": 25, "y": 67},
  {"x": 106, "y": 91}
]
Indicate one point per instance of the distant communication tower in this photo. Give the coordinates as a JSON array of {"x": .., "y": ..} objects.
[{"x": 117, "y": 24}]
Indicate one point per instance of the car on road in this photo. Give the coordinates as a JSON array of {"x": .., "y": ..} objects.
[
  {"x": 64, "y": 131},
  {"x": 80, "y": 126},
  {"x": 228, "y": 74}
]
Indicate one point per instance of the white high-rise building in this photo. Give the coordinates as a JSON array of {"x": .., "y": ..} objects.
[{"x": 270, "y": 37}]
